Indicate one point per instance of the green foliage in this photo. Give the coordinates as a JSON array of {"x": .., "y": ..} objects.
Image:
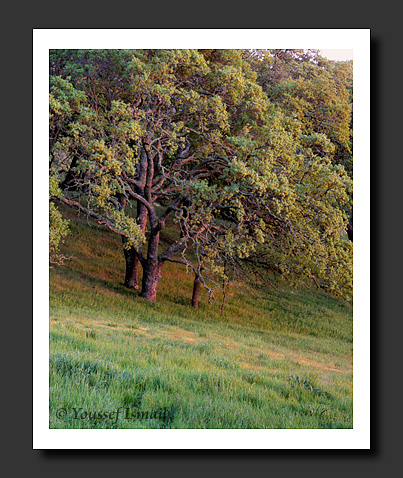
[
  {"x": 315, "y": 91},
  {"x": 283, "y": 206},
  {"x": 194, "y": 130},
  {"x": 58, "y": 227}
]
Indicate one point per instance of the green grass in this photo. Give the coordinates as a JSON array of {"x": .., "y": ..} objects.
[{"x": 276, "y": 359}]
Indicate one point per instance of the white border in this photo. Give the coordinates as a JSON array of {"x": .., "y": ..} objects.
[{"x": 356, "y": 438}]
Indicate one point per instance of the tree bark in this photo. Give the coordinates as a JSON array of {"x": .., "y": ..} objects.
[
  {"x": 132, "y": 266},
  {"x": 196, "y": 290},
  {"x": 350, "y": 231},
  {"x": 131, "y": 255},
  {"x": 70, "y": 181},
  {"x": 151, "y": 277},
  {"x": 151, "y": 269}
]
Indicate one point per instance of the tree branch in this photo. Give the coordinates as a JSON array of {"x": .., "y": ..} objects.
[
  {"x": 134, "y": 195},
  {"x": 100, "y": 219},
  {"x": 174, "y": 249}
]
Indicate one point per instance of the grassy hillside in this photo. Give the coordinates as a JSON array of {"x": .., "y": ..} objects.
[{"x": 276, "y": 359}]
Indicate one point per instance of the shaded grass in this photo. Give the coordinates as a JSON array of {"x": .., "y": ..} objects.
[{"x": 110, "y": 349}]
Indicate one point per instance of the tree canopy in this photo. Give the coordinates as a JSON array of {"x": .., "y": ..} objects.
[{"x": 245, "y": 172}]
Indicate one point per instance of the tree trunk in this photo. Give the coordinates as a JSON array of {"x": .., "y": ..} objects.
[
  {"x": 151, "y": 277},
  {"x": 131, "y": 255},
  {"x": 196, "y": 289},
  {"x": 132, "y": 266},
  {"x": 70, "y": 181},
  {"x": 151, "y": 269},
  {"x": 350, "y": 231}
]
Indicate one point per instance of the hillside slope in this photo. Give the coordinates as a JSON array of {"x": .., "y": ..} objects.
[{"x": 275, "y": 359}]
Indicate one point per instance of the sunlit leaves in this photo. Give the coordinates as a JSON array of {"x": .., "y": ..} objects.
[
  {"x": 258, "y": 176},
  {"x": 58, "y": 227}
]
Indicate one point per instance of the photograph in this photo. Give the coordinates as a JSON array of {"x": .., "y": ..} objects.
[{"x": 196, "y": 290}]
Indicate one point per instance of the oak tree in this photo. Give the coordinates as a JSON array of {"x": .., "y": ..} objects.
[{"x": 193, "y": 132}]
